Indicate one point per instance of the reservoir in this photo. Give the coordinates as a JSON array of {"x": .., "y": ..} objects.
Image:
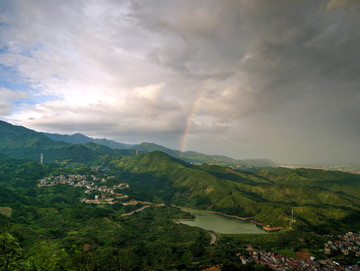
[{"x": 221, "y": 224}]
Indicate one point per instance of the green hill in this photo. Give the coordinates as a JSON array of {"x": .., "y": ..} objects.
[
  {"x": 57, "y": 229},
  {"x": 188, "y": 156},
  {"x": 82, "y": 139},
  {"x": 22, "y": 143},
  {"x": 200, "y": 158},
  {"x": 13, "y": 137},
  {"x": 320, "y": 200}
]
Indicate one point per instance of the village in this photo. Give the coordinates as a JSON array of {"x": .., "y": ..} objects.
[
  {"x": 95, "y": 187},
  {"x": 350, "y": 242},
  {"x": 347, "y": 244},
  {"x": 98, "y": 192}
]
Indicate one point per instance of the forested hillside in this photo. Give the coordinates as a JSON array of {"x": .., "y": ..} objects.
[
  {"x": 82, "y": 139},
  {"x": 53, "y": 224},
  {"x": 19, "y": 142},
  {"x": 188, "y": 156},
  {"x": 321, "y": 200},
  {"x": 49, "y": 228}
]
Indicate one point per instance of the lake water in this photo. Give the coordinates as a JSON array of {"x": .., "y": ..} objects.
[{"x": 221, "y": 224}]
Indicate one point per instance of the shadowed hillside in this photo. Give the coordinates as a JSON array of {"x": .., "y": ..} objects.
[{"x": 19, "y": 142}]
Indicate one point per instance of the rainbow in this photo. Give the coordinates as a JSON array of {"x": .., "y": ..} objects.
[{"x": 189, "y": 123}]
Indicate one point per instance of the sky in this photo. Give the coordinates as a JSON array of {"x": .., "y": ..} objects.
[{"x": 274, "y": 79}]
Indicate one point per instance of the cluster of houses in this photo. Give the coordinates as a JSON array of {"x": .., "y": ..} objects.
[
  {"x": 53, "y": 180},
  {"x": 97, "y": 186},
  {"x": 93, "y": 184},
  {"x": 280, "y": 262},
  {"x": 348, "y": 243},
  {"x": 74, "y": 179}
]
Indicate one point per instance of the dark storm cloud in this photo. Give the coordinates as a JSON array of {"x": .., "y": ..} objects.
[
  {"x": 290, "y": 43},
  {"x": 263, "y": 78}
]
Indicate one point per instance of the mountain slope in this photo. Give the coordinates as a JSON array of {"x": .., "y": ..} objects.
[
  {"x": 200, "y": 158},
  {"x": 264, "y": 195},
  {"x": 82, "y": 139},
  {"x": 189, "y": 156},
  {"x": 13, "y": 136},
  {"x": 19, "y": 142}
]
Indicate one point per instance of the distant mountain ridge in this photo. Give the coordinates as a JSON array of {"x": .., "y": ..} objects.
[
  {"x": 197, "y": 157},
  {"x": 19, "y": 142},
  {"x": 83, "y": 139},
  {"x": 321, "y": 200},
  {"x": 188, "y": 156}
]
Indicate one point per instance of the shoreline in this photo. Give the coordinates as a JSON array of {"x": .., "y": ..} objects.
[
  {"x": 213, "y": 212},
  {"x": 183, "y": 219},
  {"x": 260, "y": 224}
]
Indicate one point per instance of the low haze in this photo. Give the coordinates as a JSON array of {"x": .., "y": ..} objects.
[{"x": 245, "y": 78}]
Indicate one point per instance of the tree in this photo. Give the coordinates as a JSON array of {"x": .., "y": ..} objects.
[
  {"x": 44, "y": 258},
  {"x": 10, "y": 250}
]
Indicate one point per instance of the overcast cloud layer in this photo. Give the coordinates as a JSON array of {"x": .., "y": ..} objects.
[{"x": 271, "y": 78}]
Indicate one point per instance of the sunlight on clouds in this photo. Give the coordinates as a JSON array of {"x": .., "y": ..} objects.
[
  {"x": 137, "y": 68},
  {"x": 143, "y": 109},
  {"x": 351, "y": 6},
  {"x": 8, "y": 100},
  {"x": 150, "y": 92}
]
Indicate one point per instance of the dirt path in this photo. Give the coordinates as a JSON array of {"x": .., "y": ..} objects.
[{"x": 213, "y": 238}]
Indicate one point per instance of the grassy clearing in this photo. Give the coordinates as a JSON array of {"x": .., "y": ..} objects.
[{"x": 6, "y": 211}]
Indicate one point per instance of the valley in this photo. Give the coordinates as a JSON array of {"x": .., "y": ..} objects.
[
  {"x": 179, "y": 135},
  {"x": 96, "y": 208}
]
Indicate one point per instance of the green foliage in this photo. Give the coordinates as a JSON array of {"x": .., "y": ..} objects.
[
  {"x": 43, "y": 258},
  {"x": 197, "y": 158},
  {"x": 10, "y": 251},
  {"x": 81, "y": 139},
  {"x": 19, "y": 142},
  {"x": 269, "y": 195},
  {"x": 58, "y": 232}
]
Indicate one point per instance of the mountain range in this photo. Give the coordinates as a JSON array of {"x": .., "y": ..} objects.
[
  {"x": 188, "y": 156},
  {"x": 20, "y": 142},
  {"x": 321, "y": 200}
]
